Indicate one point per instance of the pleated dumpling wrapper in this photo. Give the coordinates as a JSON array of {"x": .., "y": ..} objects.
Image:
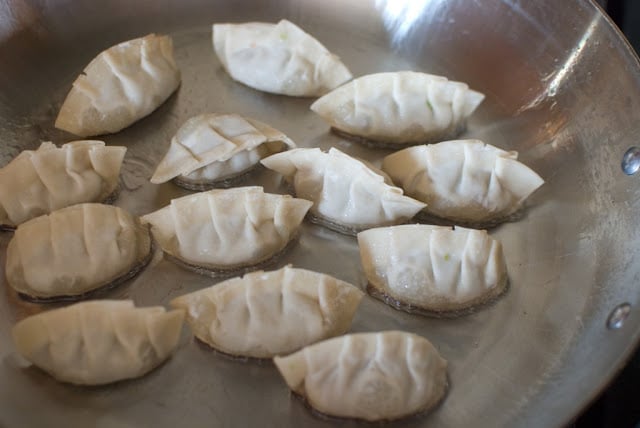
[
  {"x": 278, "y": 58},
  {"x": 371, "y": 376},
  {"x": 435, "y": 270},
  {"x": 227, "y": 230},
  {"x": 121, "y": 85},
  {"x": 399, "y": 108},
  {"x": 465, "y": 181},
  {"x": 348, "y": 194},
  {"x": 41, "y": 181},
  {"x": 264, "y": 314},
  {"x": 76, "y": 250},
  {"x": 100, "y": 341},
  {"x": 210, "y": 149}
]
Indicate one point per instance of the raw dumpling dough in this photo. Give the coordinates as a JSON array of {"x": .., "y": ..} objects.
[
  {"x": 370, "y": 376},
  {"x": 211, "y": 148},
  {"x": 121, "y": 85},
  {"x": 226, "y": 230},
  {"x": 264, "y": 314},
  {"x": 348, "y": 194},
  {"x": 435, "y": 269},
  {"x": 466, "y": 181},
  {"x": 98, "y": 342},
  {"x": 278, "y": 58},
  {"x": 75, "y": 250},
  {"x": 399, "y": 108},
  {"x": 39, "y": 182}
]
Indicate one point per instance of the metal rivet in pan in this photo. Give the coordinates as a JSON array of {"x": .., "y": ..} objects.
[
  {"x": 631, "y": 161},
  {"x": 618, "y": 316}
]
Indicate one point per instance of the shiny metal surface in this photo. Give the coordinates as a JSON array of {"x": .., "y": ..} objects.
[
  {"x": 619, "y": 316},
  {"x": 631, "y": 161},
  {"x": 563, "y": 88}
]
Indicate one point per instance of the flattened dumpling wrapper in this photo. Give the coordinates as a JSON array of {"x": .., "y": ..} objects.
[{"x": 215, "y": 146}]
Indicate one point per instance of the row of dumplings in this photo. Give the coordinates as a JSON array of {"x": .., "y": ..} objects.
[
  {"x": 128, "y": 81},
  {"x": 370, "y": 376},
  {"x": 463, "y": 181},
  {"x": 77, "y": 250},
  {"x": 62, "y": 250}
]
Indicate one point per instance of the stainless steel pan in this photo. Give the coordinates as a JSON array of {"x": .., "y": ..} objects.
[{"x": 563, "y": 88}]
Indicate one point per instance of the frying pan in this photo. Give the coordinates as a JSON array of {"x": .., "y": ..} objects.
[{"x": 563, "y": 89}]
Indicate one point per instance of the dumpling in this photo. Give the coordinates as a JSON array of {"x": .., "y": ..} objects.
[
  {"x": 41, "y": 181},
  {"x": 466, "y": 181},
  {"x": 348, "y": 195},
  {"x": 436, "y": 270},
  {"x": 399, "y": 108},
  {"x": 99, "y": 342},
  {"x": 210, "y": 149},
  {"x": 278, "y": 58},
  {"x": 120, "y": 86},
  {"x": 370, "y": 376},
  {"x": 227, "y": 230},
  {"x": 76, "y": 250},
  {"x": 264, "y": 314}
]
